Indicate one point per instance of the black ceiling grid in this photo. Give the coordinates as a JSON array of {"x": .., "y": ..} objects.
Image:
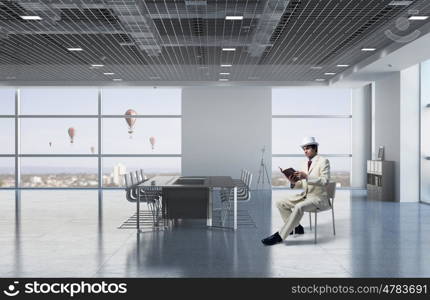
[{"x": 171, "y": 40}]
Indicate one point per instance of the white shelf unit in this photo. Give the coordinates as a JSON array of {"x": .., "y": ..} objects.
[{"x": 380, "y": 180}]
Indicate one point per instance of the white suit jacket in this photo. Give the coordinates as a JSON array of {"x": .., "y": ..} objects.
[{"x": 315, "y": 186}]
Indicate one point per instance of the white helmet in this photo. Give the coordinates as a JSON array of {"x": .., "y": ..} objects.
[{"x": 309, "y": 140}]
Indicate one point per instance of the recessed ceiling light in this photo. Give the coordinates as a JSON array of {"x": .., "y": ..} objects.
[
  {"x": 196, "y": 2},
  {"x": 126, "y": 44},
  {"x": 228, "y": 49},
  {"x": 320, "y": 79},
  {"x": 316, "y": 68},
  {"x": 418, "y": 18},
  {"x": 108, "y": 73},
  {"x": 97, "y": 65},
  {"x": 342, "y": 66},
  {"x": 117, "y": 79},
  {"x": 400, "y": 3},
  {"x": 226, "y": 66},
  {"x": 368, "y": 49},
  {"x": 224, "y": 73},
  {"x": 75, "y": 49},
  {"x": 31, "y": 18},
  {"x": 234, "y": 17},
  {"x": 329, "y": 73}
]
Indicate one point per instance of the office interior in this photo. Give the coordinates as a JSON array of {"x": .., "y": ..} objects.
[{"x": 213, "y": 88}]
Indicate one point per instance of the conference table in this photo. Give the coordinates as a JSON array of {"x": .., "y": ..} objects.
[{"x": 189, "y": 197}]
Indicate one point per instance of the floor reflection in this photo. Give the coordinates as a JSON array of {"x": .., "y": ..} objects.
[
  {"x": 65, "y": 234},
  {"x": 190, "y": 249},
  {"x": 389, "y": 238}
]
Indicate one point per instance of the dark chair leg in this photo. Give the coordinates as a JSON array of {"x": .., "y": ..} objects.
[{"x": 332, "y": 214}]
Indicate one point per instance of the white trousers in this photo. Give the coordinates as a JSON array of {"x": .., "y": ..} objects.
[{"x": 292, "y": 211}]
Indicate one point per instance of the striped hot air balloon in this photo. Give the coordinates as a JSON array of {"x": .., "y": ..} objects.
[
  {"x": 71, "y": 132},
  {"x": 130, "y": 121},
  {"x": 152, "y": 141}
]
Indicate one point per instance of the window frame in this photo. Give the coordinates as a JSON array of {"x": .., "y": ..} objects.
[
  {"x": 322, "y": 116},
  {"x": 99, "y": 155}
]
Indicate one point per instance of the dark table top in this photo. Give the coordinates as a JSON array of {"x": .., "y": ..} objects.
[{"x": 190, "y": 181}]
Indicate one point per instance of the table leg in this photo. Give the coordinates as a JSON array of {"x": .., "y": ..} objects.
[
  {"x": 235, "y": 208},
  {"x": 138, "y": 210},
  {"x": 210, "y": 208}
]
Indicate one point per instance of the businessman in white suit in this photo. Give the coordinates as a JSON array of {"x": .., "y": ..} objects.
[{"x": 313, "y": 179}]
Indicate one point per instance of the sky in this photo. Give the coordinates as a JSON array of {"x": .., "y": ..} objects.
[
  {"x": 333, "y": 135},
  {"x": 311, "y": 101},
  {"x": 50, "y": 135}
]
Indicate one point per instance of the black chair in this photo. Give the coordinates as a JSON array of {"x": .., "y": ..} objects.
[
  {"x": 147, "y": 194},
  {"x": 243, "y": 193}
]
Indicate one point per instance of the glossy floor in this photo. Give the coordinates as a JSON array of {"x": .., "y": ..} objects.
[{"x": 62, "y": 234}]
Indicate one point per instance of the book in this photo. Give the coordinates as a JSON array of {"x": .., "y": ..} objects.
[{"x": 288, "y": 173}]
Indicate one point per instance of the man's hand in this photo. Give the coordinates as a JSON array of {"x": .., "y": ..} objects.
[
  {"x": 300, "y": 175},
  {"x": 292, "y": 179}
]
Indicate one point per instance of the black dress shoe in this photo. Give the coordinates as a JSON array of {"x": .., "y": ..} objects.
[
  {"x": 272, "y": 240},
  {"x": 299, "y": 230}
]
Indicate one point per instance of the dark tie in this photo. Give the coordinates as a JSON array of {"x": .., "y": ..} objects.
[{"x": 309, "y": 164}]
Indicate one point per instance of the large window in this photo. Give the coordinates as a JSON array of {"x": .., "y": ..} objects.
[
  {"x": 7, "y": 172},
  {"x": 87, "y": 137},
  {"x": 7, "y": 102},
  {"x": 59, "y": 101},
  {"x": 150, "y": 139},
  {"x": 324, "y": 113},
  {"x": 145, "y": 101},
  {"x": 165, "y": 134},
  {"x": 61, "y": 172},
  {"x": 333, "y": 135},
  {"x": 59, "y": 135},
  {"x": 7, "y": 207},
  {"x": 7, "y": 138},
  {"x": 424, "y": 128},
  {"x": 113, "y": 167}
]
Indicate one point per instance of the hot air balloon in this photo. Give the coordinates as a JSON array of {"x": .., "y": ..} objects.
[
  {"x": 71, "y": 132},
  {"x": 92, "y": 149},
  {"x": 152, "y": 141},
  {"x": 130, "y": 121}
]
